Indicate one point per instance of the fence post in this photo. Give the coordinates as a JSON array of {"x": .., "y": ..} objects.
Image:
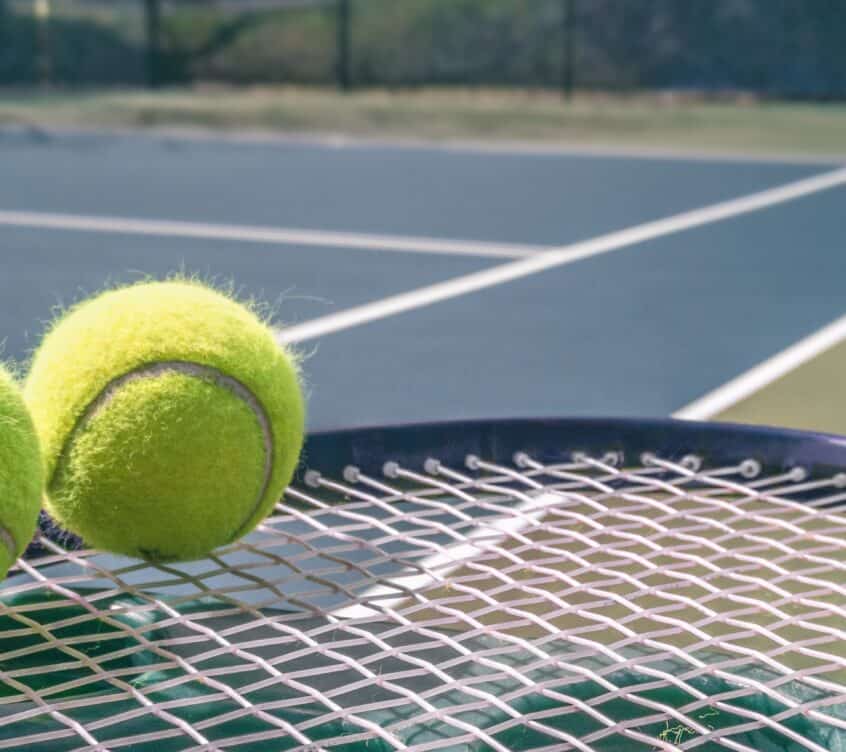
[
  {"x": 45, "y": 54},
  {"x": 568, "y": 23},
  {"x": 343, "y": 23},
  {"x": 154, "y": 42}
]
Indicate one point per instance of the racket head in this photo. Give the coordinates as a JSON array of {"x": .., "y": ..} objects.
[
  {"x": 558, "y": 439},
  {"x": 521, "y": 584}
]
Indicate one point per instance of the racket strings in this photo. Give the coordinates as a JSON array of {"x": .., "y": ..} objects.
[
  {"x": 143, "y": 646},
  {"x": 583, "y": 604}
]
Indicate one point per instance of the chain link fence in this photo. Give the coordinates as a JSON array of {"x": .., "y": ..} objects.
[{"x": 792, "y": 48}]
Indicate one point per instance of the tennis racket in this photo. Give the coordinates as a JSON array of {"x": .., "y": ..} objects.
[{"x": 591, "y": 585}]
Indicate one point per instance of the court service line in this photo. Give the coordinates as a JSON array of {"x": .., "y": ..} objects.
[
  {"x": 560, "y": 256},
  {"x": 765, "y": 373},
  {"x": 260, "y": 234}
]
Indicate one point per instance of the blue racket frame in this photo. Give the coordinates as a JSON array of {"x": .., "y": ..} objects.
[
  {"x": 551, "y": 440},
  {"x": 556, "y": 439}
]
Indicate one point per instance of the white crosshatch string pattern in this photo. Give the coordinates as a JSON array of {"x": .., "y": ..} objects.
[{"x": 593, "y": 604}]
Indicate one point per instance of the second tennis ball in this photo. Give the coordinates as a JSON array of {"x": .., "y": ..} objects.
[
  {"x": 170, "y": 419},
  {"x": 20, "y": 474}
]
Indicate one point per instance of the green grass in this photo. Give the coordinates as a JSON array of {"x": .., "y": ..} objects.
[
  {"x": 439, "y": 114},
  {"x": 807, "y": 398}
]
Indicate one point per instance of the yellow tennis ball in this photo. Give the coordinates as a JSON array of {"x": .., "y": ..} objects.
[
  {"x": 21, "y": 474},
  {"x": 170, "y": 419}
]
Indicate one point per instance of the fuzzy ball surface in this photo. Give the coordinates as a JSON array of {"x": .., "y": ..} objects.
[
  {"x": 21, "y": 474},
  {"x": 170, "y": 419}
]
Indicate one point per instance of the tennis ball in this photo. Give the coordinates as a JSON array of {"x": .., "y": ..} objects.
[
  {"x": 170, "y": 419},
  {"x": 21, "y": 474}
]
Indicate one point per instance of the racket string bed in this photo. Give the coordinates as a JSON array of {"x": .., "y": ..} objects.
[{"x": 589, "y": 603}]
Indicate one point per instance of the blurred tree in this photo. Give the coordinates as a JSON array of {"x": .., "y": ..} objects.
[{"x": 773, "y": 47}]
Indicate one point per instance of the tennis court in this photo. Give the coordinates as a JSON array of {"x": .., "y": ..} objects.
[
  {"x": 559, "y": 280},
  {"x": 425, "y": 283},
  {"x": 593, "y": 584}
]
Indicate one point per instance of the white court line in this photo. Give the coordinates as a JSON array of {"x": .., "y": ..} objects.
[
  {"x": 765, "y": 373},
  {"x": 259, "y": 234},
  {"x": 485, "y": 537},
  {"x": 560, "y": 256}
]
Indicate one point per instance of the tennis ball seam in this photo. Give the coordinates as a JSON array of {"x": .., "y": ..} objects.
[{"x": 194, "y": 370}]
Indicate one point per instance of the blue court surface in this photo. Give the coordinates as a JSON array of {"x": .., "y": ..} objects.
[{"x": 424, "y": 283}]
